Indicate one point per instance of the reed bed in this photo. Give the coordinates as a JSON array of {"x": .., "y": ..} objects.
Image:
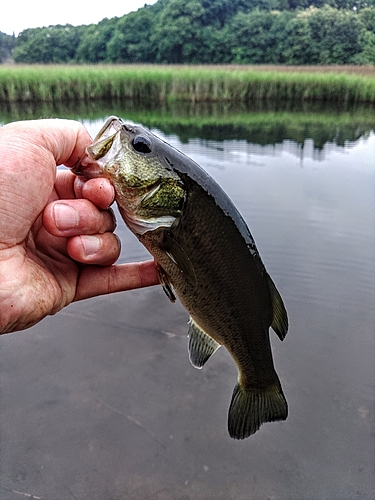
[{"x": 151, "y": 83}]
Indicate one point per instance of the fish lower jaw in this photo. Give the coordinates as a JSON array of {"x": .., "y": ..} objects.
[
  {"x": 88, "y": 170},
  {"x": 139, "y": 225}
]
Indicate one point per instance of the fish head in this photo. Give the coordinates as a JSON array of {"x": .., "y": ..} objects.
[{"x": 149, "y": 192}]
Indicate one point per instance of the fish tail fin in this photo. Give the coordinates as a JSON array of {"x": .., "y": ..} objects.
[{"x": 250, "y": 408}]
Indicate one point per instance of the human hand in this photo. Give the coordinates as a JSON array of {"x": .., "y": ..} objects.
[{"x": 56, "y": 231}]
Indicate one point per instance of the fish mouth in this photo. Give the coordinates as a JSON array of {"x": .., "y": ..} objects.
[
  {"x": 87, "y": 169},
  {"x": 104, "y": 146},
  {"x": 112, "y": 125}
]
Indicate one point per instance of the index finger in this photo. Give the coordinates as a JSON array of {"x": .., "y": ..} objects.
[
  {"x": 98, "y": 190},
  {"x": 101, "y": 280},
  {"x": 66, "y": 140}
]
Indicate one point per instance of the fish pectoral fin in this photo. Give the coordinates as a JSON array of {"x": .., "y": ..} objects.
[
  {"x": 250, "y": 408},
  {"x": 280, "y": 316},
  {"x": 165, "y": 283},
  {"x": 201, "y": 346},
  {"x": 178, "y": 255}
]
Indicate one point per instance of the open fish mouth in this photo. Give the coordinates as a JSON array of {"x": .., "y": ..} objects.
[
  {"x": 88, "y": 170},
  {"x": 111, "y": 127},
  {"x": 104, "y": 146}
]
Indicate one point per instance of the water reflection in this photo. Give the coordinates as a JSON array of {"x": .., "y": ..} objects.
[
  {"x": 100, "y": 402},
  {"x": 263, "y": 123}
]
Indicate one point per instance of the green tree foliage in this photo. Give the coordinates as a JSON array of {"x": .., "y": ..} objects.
[
  {"x": 354, "y": 5},
  {"x": 93, "y": 44},
  {"x": 311, "y": 36},
  {"x": 294, "y": 45},
  {"x": 217, "y": 13},
  {"x": 7, "y": 43},
  {"x": 367, "y": 18},
  {"x": 214, "y": 31},
  {"x": 178, "y": 32},
  {"x": 366, "y": 37},
  {"x": 131, "y": 39},
  {"x": 255, "y": 37},
  {"x": 54, "y": 44},
  {"x": 334, "y": 35}
]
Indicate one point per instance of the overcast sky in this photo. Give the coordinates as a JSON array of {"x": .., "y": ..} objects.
[{"x": 22, "y": 14}]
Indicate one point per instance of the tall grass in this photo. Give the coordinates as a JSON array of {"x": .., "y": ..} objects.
[{"x": 185, "y": 83}]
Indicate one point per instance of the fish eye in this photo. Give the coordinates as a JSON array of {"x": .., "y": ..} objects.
[{"x": 142, "y": 144}]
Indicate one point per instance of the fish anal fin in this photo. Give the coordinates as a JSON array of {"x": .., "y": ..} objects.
[
  {"x": 165, "y": 283},
  {"x": 250, "y": 408},
  {"x": 280, "y": 316},
  {"x": 201, "y": 346}
]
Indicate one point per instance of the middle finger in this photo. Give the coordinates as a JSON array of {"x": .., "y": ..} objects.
[{"x": 77, "y": 217}]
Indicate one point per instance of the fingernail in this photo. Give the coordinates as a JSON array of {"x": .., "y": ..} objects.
[
  {"x": 91, "y": 244},
  {"x": 66, "y": 217}
]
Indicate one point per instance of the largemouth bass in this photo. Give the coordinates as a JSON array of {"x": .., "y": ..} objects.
[{"x": 205, "y": 255}]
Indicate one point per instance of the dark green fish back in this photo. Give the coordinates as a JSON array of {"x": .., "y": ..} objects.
[
  {"x": 221, "y": 280},
  {"x": 206, "y": 255}
]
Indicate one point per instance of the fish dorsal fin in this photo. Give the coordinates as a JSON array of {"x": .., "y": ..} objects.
[
  {"x": 280, "y": 317},
  {"x": 201, "y": 346},
  {"x": 165, "y": 283},
  {"x": 178, "y": 255}
]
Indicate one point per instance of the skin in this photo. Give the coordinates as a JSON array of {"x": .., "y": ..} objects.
[{"x": 56, "y": 231}]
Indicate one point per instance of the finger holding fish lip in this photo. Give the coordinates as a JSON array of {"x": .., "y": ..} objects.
[{"x": 99, "y": 190}]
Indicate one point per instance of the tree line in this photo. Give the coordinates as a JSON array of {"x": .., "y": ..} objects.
[{"x": 211, "y": 32}]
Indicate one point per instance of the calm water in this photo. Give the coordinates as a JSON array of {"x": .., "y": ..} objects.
[{"x": 101, "y": 403}]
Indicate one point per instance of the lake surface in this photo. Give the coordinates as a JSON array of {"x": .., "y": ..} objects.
[{"x": 100, "y": 402}]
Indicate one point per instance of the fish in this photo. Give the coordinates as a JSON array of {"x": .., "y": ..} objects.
[{"x": 205, "y": 255}]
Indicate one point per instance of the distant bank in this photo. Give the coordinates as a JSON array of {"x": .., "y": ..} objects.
[{"x": 161, "y": 83}]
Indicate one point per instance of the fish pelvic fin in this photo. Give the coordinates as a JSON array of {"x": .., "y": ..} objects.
[
  {"x": 250, "y": 408},
  {"x": 280, "y": 316},
  {"x": 201, "y": 346},
  {"x": 165, "y": 283}
]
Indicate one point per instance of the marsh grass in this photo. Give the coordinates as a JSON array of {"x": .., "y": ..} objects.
[{"x": 153, "y": 83}]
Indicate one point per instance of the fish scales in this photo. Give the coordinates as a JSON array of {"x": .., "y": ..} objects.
[
  {"x": 206, "y": 255},
  {"x": 243, "y": 301}
]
